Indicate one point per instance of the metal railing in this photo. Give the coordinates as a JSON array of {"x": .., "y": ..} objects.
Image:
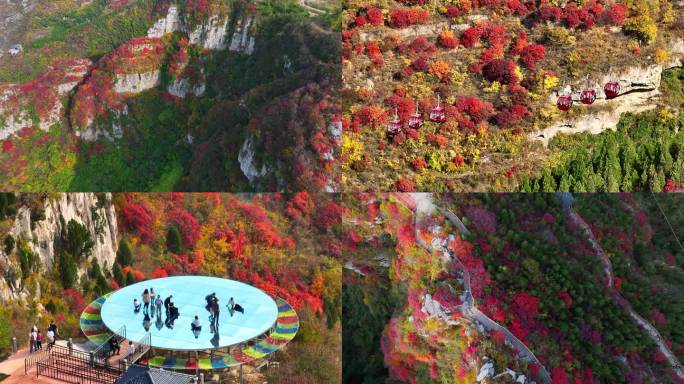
[
  {"x": 72, "y": 366},
  {"x": 102, "y": 352},
  {"x": 141, "y": 348},
  {"x": 31, "y": 360}
]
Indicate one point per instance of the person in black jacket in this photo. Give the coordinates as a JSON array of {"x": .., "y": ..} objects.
[{"x": 167, "y": 301}]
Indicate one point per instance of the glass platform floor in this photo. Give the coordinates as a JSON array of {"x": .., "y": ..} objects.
[{"x": 260, "y": 313}]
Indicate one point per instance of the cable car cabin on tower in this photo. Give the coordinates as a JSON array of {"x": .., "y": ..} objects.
[
  {"x": 438, "y": 114},
  {"x": 416, "y": 119},
  {"x": 394, "y": 126}
]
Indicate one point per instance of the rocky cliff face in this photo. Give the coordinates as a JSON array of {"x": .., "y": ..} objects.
[
  {"x": 96, "y": 214},
  {"x": 639, "y": 92},
  {"x": 137, "y": 82},
  {"x": 212, "y": 34},
  {"x": 248, "y": 162},
  {"x": 38, "y": 103}
]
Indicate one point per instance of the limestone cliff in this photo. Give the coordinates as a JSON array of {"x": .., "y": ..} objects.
[
  {"x": 95, "y": 212},
  {"x": 39, "y": 103},
  {"x": 639, "y": 92},
  {"x": 211, "y": 34}
]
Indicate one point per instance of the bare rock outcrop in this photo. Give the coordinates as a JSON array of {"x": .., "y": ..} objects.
[
  {"x": 639, "y": 92},
  {"x": 38, "y": 103},
  {"x": 95, "y": 212}
]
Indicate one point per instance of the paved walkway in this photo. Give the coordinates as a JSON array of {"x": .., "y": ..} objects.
[
  {"x": 608, "y": 270},
  {"x": 424, "y": 207}
]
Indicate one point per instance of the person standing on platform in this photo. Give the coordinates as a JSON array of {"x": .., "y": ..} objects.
[
  {"x": 231, "y": 306},
  {"x": 167, "y": 302},
  {"x": 152, "y": 300},
  {"x": 158, "y": 304},
  {"x": 146, "y": 301},
  {"x": 215, "y": 310}
]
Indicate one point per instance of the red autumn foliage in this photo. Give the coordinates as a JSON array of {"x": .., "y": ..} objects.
[
  {"x": 528, "y": 303},
  {"x": 158, "y": 273},
  {"x": 448, "y": 40},
  {"x": 300, "y": 205},
  {"x": 375, "y": 16},
  {"x": 471, "y": 36},
  {"x": 419, "y": 163},
  {"x": 502, "y": 71},
  {"x": 187, "y": 225},
  {"x": 137, "y": 275},
  {"x": 75, "y": 300},
  {"x": 460, "y": 9},
  {"x": 532, "y": 54},
  {"x": 548, "y": 12},
  {"x": 372, "y": 115},
  {"x": 616, "y": 14},
  {"x": 478, "y": 110},
  {"x": 439, "y": 141},
  {"x": 499, "y": 337},
  {"x": 137, "y": 217},
  {"x": 403, "y": 17},
  {"x": 558, "y": 376},
  {"x": 329, "y": 215},
  {"x": 405, "y": 185}
]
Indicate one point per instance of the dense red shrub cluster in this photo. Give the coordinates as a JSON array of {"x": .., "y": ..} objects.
[
  {"x": 403, "y": 17},
  {"x": 448, "y": 40},
  {"x": 374, "y": 16},
  {"x": 419, "y": 163},
  {"x": 187, "y": 225},
  {"x": 477, "y": 109},
  {"x": 512, "y": 116},
  {"x": 372, "y": 115},
  {"x": 301, "y": 205},
  {"x": 75, "y": 300},
  {"x": 329, "y": 215},
  {"x": 137, "y": 275},
  {"x": 532, "y": 54},
  {"x": 405, "y": 185},
  {"x": 502, "y": 71},
  {"x": 137, "y": 217},
  {"x": 460, "y": 9}
]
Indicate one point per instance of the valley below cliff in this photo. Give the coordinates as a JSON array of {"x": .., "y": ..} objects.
[{"x": 143, "y": 115}]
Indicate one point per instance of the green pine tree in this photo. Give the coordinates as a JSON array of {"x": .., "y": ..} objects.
[
  {"x": 173, "y": 240},
  {"x": 130, "y": 279},
  {"x": 124, "y": 256},
  {"x": 118, "y": 275},
  {"x": 68, "y": 271}
]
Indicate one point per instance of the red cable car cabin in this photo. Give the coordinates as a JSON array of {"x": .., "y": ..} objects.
[
  {"x": 437, "y": 114},
  {"x": 564, "y": 103},
  {"x": 416, "y": 119},
  {"x": 588, "y": 96},
  {"x": 612, "y": 89},
  {"x": 394, "y": 126}
]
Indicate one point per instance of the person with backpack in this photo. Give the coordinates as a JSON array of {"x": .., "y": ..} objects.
[{"x": 167, "y": 303}]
